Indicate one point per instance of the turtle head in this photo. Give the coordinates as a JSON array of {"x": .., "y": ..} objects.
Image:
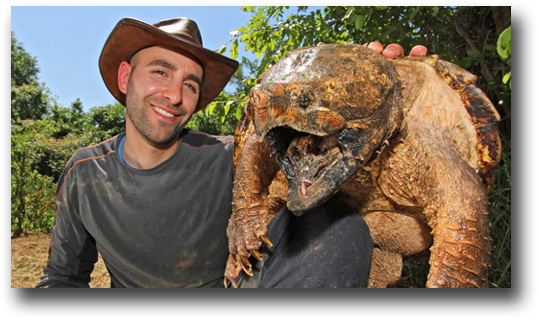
[{"x": 324, "y": 111}]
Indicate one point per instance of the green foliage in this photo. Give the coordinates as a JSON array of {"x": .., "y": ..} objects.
[
  {"x": 271, "y": 33},
  {"x": 222, "y": 115},
  {"x": 504, "y": 43},
  {"x": 40, "y": 150},
  {"x": 500, "y": 199},
  {"x": 103, "y": 123},
  {"x": 44, "y": 135},
  {"x": 31, "y": 193},
  {"x": 504, "y": 48},
  {"x": 24, "y": 67},
  {"x": 29, "y": 99},
  {"x": 68, "y": 120}
]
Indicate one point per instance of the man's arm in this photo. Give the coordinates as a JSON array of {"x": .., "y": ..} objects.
[{"x": 72, "y": 251}]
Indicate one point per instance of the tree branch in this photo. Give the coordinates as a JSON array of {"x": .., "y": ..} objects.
[
  {"x": 483, "y": 64},
  {"x": 502, "y": 17}
]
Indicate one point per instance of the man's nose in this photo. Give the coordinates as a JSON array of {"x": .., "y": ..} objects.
[{"x": 173, "y": 92}]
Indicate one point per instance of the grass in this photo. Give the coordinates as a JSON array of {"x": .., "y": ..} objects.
[
  {"x": 29, "y": 253},
  {"x": 501, "y": 218}
]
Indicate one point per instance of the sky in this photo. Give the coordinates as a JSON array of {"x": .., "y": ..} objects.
[{"x": 67, "y": 41}]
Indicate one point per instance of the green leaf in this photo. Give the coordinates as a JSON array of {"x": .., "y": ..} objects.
[
  {"x": 233, "y": 49},
  {"x": 474, "y": 53},
  {"x": 465, "y": 62},
  {"x": 227, "y": 107},
  {"x": 413, "y": 13},
  {"x": 348, "y": 14},
  {"x": 506, "y": 77},
  {"x": 245, "y": 37},
  {"x": 504, "y": 43},
  {"x": 210, "y": 108},
  {"x": 435, "y": 11},
  {"x": 359, "y": 22},
  {"x": 490, "y": 47}
]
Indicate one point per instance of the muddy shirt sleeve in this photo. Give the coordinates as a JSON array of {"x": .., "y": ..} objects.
[{"x": 72, "y": 250}]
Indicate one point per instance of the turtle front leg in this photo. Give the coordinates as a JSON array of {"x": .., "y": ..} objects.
[
  {"x": 462, "y": 243},
  {"x": 247, "y": 227}
]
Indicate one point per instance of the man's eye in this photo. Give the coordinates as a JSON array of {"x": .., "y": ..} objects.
[
  {"x": 160, "y": 72},
  {"x": 191, "y": 87}
]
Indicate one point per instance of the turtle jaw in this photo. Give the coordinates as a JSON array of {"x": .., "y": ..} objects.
[
  {"x": 305, "y": 194},
  {"x": 315, "y": 166}
]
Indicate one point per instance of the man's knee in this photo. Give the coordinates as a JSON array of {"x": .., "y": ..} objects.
[{"x": 329, "y": 246}]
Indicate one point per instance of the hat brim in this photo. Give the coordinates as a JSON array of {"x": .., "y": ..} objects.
[{"x": 132, "y": 35}]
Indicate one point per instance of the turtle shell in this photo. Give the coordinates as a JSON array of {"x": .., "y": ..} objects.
[
  {"x": 482, "y": 112},
  {"x": 354, "y": 79}
]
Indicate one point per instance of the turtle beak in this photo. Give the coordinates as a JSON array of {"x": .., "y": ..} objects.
[{"x": 268, "y": 108}]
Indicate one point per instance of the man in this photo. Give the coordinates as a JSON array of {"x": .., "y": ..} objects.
[{"x": 155, "y": 201}]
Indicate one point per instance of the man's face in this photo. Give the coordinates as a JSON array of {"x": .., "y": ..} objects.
[{"x": 162, "y": 88}]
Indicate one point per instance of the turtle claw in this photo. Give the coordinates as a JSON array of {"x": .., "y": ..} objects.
[
  {"x": 245, "y": 264},
  {"x": 256, "y": 254},
  {"x": 234, "y": 266},
  {"x": 228, "y": 282},
  {"x": 266, "y": 240}
]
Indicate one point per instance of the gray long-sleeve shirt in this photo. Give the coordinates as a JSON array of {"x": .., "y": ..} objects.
[{"x": 162, "y": 227}]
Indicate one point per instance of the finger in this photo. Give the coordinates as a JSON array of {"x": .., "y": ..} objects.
[
  {"x": 418, "y": 50},
  {"x": 376, "y": 46},
  {"x": 392, "y": 51}
]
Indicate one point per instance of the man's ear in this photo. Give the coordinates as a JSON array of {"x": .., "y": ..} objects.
[{"x": 124, "y": 71}]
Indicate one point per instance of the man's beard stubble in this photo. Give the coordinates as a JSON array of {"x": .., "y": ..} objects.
[{"x": 136, "y": 110}]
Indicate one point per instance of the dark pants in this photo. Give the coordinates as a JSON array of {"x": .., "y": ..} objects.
[{"x": 327, "y": 247}]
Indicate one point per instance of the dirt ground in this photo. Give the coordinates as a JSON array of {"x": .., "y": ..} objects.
[{"x": 29, "y": 254}]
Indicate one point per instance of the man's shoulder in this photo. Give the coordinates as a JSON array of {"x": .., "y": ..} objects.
[
  {"x": 197, "y": 139},
  {"x": 87, "y": 155},
  {"x": 94, "y": 151}
]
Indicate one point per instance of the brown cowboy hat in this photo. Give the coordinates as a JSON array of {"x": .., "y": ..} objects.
[{"x": 132, "y": 35}]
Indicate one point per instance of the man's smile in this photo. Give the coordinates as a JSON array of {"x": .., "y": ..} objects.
[{"x": 163, "y": 112}]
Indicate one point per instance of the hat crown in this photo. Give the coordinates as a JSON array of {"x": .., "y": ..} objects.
[{"x": 181, "y": 27}]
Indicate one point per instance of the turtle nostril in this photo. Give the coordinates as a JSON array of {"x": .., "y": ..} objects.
[{"x": 305, "y": 100}]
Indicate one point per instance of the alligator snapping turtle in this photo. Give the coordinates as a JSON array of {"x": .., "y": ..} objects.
[{"x": 409, "y": 144}]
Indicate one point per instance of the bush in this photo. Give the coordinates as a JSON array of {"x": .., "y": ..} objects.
[{"x": 32, "y": 194}]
